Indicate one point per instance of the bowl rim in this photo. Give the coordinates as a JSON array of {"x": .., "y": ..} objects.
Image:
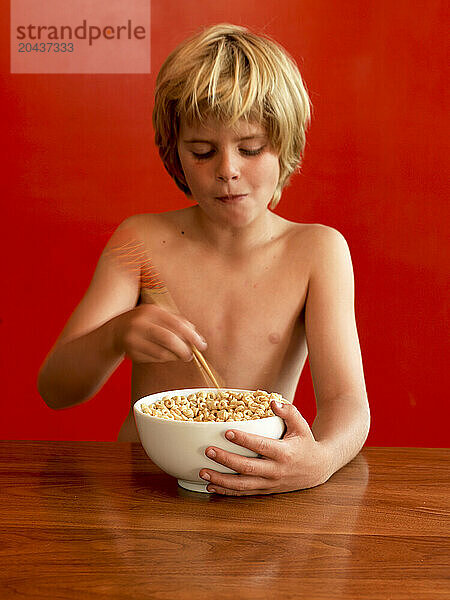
[{"x": 137, "y": 407}]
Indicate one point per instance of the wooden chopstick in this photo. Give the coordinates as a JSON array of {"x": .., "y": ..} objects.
[
  {"x": 200, "y": 359},
  {"x": 208, "y": 381}
]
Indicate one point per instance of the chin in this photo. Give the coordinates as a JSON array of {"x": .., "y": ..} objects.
[{"x": 238, "y": 219}]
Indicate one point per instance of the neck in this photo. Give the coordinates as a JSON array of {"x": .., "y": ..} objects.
[{"x": 235, "y": 241}]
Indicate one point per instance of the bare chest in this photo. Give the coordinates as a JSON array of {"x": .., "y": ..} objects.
[{"x": 247, "y": 310}]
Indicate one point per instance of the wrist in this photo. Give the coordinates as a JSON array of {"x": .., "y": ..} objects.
[{"x": 326, "y": 461}]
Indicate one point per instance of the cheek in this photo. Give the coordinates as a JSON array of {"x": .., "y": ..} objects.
[
  {"x": 188, "y": 169},
  {"x": 267, "y": 172},
  {"x": 193, "y": 174}
]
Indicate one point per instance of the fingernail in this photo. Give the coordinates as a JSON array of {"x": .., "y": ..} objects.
[
  {"x": 211, "y": 454},
  {"x": 205, "y": 476},
  {"x": 230, "y": 435},
  {"x": 278, "y": 404},
  {"x": 202, "y": 339},
  {"x": 210, "y": 489}
]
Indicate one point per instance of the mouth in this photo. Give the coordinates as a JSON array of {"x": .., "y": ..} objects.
[{"x": 231, "y": 197}]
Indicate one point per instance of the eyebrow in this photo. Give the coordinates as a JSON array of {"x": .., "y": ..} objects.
[{"x": 242, "y": 139}]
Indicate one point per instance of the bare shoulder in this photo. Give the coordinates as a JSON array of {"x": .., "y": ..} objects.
[
  {"x": 139, "y": 224},
  {"x": 150, "y": 226},
  {"x": 321, "y": 245},
  {"x": 323, "y": 250},
  {"x": 318, "y": 237},
  {"x": 328, "y": 242},
  {"x": 135, "y": 231}
]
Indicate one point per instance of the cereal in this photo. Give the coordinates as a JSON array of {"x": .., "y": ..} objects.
[{"x": 214, "y": 406}]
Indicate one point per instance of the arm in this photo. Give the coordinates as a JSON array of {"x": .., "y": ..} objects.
[
  {"x": 343, "y": 418},
  {"x": 84, "y": 355},
  {"x": 105, "y": 327},
  {"x": 306, "y": 456},
  {"x": 75, "y": 369}
]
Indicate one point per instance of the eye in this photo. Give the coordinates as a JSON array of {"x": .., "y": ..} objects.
[
  {"x": 203, "y": 155},
  {"x": 244, "y": 151},
  {"x": 252, "y": 152}
]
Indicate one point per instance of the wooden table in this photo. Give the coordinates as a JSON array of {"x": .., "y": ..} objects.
[{"x": 98, "y": 520}]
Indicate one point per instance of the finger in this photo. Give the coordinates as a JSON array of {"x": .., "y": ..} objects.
[
  {"x": 170, "y": 341},
  {"x": 217, "y": 489},
  {"x": 296, "y": 425},
  {"x": 145, "y": 351},
  {"x": 262, "y": 445},
  {"x": 245, "y": 465},
  {"x": 183, "y": 328},
  {"x": 236, "y": 483}
]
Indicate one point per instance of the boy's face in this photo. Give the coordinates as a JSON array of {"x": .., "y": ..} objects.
[{"x": 232, "y": 173}]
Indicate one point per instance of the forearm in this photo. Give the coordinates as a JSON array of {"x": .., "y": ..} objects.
[
  {"x": 75, "y": 370},
  {"x": 341, "y": 427}
]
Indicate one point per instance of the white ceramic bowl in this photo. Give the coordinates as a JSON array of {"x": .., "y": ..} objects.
[{"x": 178, "y": 447}]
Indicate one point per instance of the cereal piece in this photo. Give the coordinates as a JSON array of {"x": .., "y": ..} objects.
[{"x": 217, "y": 406}]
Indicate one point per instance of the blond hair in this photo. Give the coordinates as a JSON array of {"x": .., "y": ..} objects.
[{"x": 229, "y": 73}]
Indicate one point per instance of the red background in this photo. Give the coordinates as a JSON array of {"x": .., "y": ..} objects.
[{"x": 78, "y": 157}]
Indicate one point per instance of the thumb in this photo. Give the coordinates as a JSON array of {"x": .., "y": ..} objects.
[{"x": 296, "y": 425}]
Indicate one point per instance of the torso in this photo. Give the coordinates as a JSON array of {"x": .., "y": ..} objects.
[{"x": 250, "y": 310}]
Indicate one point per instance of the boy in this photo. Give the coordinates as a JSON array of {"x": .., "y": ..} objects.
[{"x": 230, "y": 118}]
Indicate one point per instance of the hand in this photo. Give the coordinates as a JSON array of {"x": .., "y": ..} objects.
[
  {"x": 297, "y": 461},
  {"x": 149, "y": 333}
]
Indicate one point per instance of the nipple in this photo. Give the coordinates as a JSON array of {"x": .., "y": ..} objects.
[{"x": 274, "y": 338}]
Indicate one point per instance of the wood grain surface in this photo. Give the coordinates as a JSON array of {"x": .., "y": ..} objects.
[{"x": 85, "y": 520}]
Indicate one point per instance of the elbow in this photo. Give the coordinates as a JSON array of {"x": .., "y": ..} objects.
[
  {"x": 368, "y": 416},
  {"x": 55, "y": 394},
  {"x": 365, "y": 421},
  {"x": 44, "y": 389}
]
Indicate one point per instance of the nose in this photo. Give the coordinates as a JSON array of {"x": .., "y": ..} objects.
[{"x": 227, "y": 167}]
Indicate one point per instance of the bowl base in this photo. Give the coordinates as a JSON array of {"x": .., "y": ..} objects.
[{"x": 193, "y": 486}]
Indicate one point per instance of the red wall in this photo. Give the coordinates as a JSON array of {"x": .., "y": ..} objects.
[{"x": 78, "y": 157}]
